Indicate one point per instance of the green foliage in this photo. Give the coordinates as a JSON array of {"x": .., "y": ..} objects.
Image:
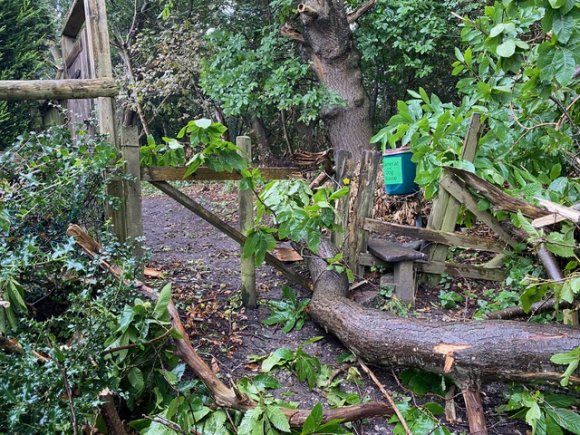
[
  {"x": 289, "y": 311},
  {"x": 420, "y": 419},
  {"x": 572, "y": 359},
  {"x": 517, "y": 71},
  {"x": 409, "y": 44},
  {"x": 300, "y": 213},
  {"x": 306, "y": 367},
  {"x": 493, "y": 300},
  {"x": 23, "y": 33},
  {"x": 264, "y": 419},
  {"x": 449, "y": 299},
  {"x": 545, "y": 413},
  {"x": 314, "y": 424},
  {"x": 421, "y": 382},
  {"x": 248, "y": 74}
]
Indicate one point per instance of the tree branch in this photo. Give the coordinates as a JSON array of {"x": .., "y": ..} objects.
[
  {"x": 309, "y": 11},
  {"x": 290, "y": 32},
  {"x": 363, "y": 9}
]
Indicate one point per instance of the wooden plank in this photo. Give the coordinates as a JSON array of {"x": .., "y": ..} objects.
[
  {"x": 457, "y": 189},
  {"x": 444, "y": 215},
  {"x": 15, "y": 90},
  {"x": 442, "y": 237},
  {"x": 549, "y": 219},
  {"x": 566, "y": 212},
  {"x": 74, "y": 52},
  {"x": 74, "y": 20},
  {"x": 246, "y": 213},
  {"x": 228, "y": 230},
  {"x": 363, "y": 206},
  {"x": 168, "y": 173},
  {"x": 460, "y": 270},
  {"x": 392, "y": 252},
  {"x": 456, "y": 270}
]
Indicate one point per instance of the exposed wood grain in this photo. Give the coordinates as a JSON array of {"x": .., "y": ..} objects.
[
  {"x": 457, "y": 189},
  {"x": 129, "y": 138},
  {"x": 475, "y": 411},
  {"x": 168, "y": 173},
  {"x": 15, "y": 90},
  {"x": 566, "y": 212},
  {"x": 443, "y": 237},
  {"x": 456, "y": 270},
  {"x": 498, "y": 198},
  {"x": 246, "y": 213},
  {"x": 362, "y": 208}
]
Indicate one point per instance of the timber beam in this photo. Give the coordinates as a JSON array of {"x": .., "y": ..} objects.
[
  {"x": 168, "y": 173},
  {"x": 70, "y": 89}
]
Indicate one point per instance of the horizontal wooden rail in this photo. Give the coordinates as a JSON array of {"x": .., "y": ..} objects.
[
  {"x": 443, "y": 237},
  {"x": 438, "y": 268},
  {"x": 14, "y": 90},
  {"x": 169, "y": 173}
]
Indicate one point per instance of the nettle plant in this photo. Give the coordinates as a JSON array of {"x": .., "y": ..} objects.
[{"x": 518, "y": 70}]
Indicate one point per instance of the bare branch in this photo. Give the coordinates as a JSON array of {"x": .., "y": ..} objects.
[
  {"x": 363, "y": 9},
  {"x": 290, "y": 32}
]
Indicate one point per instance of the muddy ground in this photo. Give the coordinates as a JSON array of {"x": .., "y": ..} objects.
[{"x": 203, "y": 265}]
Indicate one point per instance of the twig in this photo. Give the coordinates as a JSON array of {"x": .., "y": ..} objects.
[
  {"x": 132, "y": 345},
  {"x": 70, "y": 401},
  {"x": 387, "y": 396},
  {"x": 169, "y": 424}
]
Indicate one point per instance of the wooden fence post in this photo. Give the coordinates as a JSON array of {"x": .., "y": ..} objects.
[
  {"x": 129, "y": 143},
  {"x": 362, "y": 207},
  {"x": 101, "y": 66},
  {"x": 246, "y": 217},
  {"x": 446, "y": 208}
]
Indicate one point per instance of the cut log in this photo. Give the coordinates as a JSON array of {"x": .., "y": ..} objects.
[
  {"x": 15, "y": 90},
  {"x": 468, "y": 353}
]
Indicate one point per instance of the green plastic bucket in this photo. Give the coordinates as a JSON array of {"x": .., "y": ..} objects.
[{"x": 399, "y": 171}]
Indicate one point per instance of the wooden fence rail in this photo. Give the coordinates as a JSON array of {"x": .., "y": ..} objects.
[{"x": 70, "y": 89}]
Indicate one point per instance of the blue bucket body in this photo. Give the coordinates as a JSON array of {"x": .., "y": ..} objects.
[{"x": 399, "y": 172}]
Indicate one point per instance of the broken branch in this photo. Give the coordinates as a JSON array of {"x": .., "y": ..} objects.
[
  {"x": 290, "y": 32},
  {"x": 363, "y": 9}
]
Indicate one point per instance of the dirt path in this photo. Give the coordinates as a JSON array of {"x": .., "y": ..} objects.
[{"x": 203, "y": 265}]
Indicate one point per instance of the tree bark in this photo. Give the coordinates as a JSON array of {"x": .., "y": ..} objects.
[
  {"x": 261, "y": 136},
  {"x": 469, "y": 353},
  {"x": 335, "y": 60}
]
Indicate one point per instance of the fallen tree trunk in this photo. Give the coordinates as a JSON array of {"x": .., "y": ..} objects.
[{"x": 469, "y": 353}]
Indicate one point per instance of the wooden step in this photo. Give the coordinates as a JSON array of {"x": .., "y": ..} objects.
[{"x": 392, "y": 252}]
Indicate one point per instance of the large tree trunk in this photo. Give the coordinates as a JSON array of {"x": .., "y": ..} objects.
[
  {"x": 469, "y": 353},
  {"x": 335, "y": 60}
]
